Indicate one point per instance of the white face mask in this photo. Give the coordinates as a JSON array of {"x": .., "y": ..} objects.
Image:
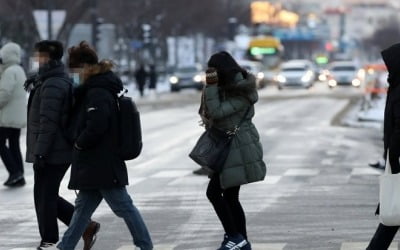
[
  {"x": 76, "y": 79},
  {"x": 34, "y": 64}
]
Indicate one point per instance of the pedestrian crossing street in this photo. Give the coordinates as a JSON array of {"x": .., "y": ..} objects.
[{"x": 161, "y": 179}]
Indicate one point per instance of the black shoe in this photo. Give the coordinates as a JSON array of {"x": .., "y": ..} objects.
[
  {"x": 15, "y": 181},
  {"x": 200, "y": 171},
  {"x": 377, "y": 165}
]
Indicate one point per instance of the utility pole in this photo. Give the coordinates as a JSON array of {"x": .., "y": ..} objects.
[
  {"x": 93, "y": 10},
  {"x": 232, "y": 21},
  {"x": 49, "y": 19}
]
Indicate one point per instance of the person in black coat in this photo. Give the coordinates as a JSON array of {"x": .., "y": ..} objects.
[
  {"x": 153, "y": 77},
  {"x": 48, "y": 147},
  {"x": 97, "y": 170},
  {"x": 391, "y": 56},
  {"x": 141, "y": 77}
]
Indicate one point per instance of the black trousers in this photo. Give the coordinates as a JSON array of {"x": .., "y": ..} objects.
[
  {"x": 11, "y": 154},
  {"x": 48, "y": 204},
  {"x": 384, "y": 235},
  {"x": 227, "y": 206}
]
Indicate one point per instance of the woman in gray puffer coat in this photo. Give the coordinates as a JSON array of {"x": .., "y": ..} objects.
[
  {"x": 12, "y": 113},
  {"x": 230, "y": 95}
]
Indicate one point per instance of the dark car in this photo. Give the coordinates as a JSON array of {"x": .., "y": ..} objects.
[{"x": 187, "y": 77}]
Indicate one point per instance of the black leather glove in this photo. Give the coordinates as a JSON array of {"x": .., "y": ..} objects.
[
  {"x": 30, "y": 82},
  {"x": 39, "y": 163}
]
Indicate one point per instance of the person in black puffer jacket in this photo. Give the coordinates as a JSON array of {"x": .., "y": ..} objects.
[
  {"x": 48, "y": 147},
  {"x": 97, "y": 170}
]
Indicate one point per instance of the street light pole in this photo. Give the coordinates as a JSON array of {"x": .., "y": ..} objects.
[
  {"x": 93, "y": 11},
  {"x": 49, "y": 19}
]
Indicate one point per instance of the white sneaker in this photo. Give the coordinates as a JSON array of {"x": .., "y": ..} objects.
[{"x": 47, "y": 246}]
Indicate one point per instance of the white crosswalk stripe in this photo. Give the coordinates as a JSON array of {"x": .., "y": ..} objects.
[
  {"x": 301, "y": 172},
  {"x": 255, "y": 246},
  {"x": 365, "y": 171},
  {"x": 363, "y": 245},
  {"x": 156, "y": 247}
]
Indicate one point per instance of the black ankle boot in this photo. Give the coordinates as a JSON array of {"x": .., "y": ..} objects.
[{"x": 15, "y": 181}]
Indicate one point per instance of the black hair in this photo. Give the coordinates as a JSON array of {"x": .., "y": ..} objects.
[
  {"x": 81, "y": 54},
  {"x": 226, "y": 67},
  {"x": 54, "y": 49}
]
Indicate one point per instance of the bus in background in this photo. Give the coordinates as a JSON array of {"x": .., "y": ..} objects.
[{"x": 269, "y": 51}]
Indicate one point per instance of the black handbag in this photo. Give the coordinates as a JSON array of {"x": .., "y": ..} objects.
[{"x": 212, "y": 148}]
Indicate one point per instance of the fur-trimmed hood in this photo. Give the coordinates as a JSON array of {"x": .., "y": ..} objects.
[{"x": 244, "y": 86}]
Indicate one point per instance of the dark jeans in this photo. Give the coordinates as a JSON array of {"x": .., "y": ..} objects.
[
  {"x": 384, "y": 235},
  {"x": 227, "y": 206},
  {"x": 121, "y": 204},
  {"x": 11, "y": 155},
  {"x": 48, "y": 204},
  {"x": 141, "y": 88}
]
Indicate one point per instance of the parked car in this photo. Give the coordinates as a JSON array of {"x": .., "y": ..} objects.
[
  {"x": 187, "y": 77},
  {"x": 345, "y": 73},
  {"x": 257, "y": 69},
  {"x": 296, "y": 73}
]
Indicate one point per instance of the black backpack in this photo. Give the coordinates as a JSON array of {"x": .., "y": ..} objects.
[{"x": 130, "y": 131}]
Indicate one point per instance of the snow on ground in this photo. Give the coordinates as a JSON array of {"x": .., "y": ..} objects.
[{"x": 375, "y": 113}]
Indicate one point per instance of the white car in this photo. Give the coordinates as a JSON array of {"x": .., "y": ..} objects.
[
  {"x": 296, "y": 73},
  {"x": 345, "y": 73}
]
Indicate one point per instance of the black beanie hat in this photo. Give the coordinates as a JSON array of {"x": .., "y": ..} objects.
[
  {"x": 54, "y": 49},
  {"x": 82, "y": 54},
  {"x": 226, "y": 67}
]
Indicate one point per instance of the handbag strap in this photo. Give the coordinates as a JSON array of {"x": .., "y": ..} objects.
[
  {"x": 234, "y": 132},
  {"x": 388, "y": 167}
]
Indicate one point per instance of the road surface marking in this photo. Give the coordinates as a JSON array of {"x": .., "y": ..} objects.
[
  {"x": 365, "y": 171},
  {"x": 301, "y": 172},
  {"x": 171, "y": 173},
  {"x": 363, "y": 245}
]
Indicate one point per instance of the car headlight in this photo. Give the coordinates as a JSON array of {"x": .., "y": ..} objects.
[
  {"x": 322, "y": 77},
  {"x": 173, "y": 79},
  {"x": 260, "y": 75},
  {"x": 281, "y": 79},
  {"x": 197, "y": 78},
  {"x": 332, "y": 83},
  {"x": 356, "y": 82},
  {"x": 307, "y": 77},
  {"x": 361, "y": 74}
]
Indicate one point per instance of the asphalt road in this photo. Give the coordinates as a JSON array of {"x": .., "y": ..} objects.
[{"x": 319, "y": 192}]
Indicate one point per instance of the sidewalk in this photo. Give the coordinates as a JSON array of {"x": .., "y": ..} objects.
[{"x": 370, "y": 118}]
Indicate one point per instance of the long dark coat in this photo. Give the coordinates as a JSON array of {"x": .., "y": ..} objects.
[
  {"x": 391, "y": 57},
  {"x": 97, "y": 164},
  {"x": 244, "y": 163}
]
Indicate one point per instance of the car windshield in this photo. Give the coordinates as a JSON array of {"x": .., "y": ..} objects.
[
  {"x": 343, "y": 68},
  {"x": 293, "y": 69},
  {"x": 187, "y": 70}
]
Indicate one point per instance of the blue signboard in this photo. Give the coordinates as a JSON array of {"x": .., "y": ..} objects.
[{"x": 295, "y": 34}]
